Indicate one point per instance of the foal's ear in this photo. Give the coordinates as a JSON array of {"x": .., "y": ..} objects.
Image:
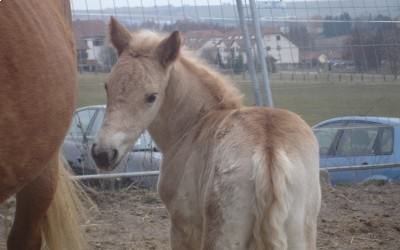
[
  {"x": 168, "y": 49},
  {"x": 120, "y": 36}
]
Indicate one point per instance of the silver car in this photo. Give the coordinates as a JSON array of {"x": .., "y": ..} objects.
[{"x": 86, "y": 123}]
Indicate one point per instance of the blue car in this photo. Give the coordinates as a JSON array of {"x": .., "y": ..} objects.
[{"x": 356, "y": 149}]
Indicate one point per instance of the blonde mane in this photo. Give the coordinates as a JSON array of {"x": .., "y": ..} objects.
[
  {"x": 220, "y": 88},
  {"x": 224, "y": 92}
]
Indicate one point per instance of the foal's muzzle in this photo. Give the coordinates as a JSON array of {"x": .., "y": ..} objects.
[{"x": 105, "y": 158}]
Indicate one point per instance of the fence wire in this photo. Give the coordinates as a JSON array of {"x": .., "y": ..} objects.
[
  {"x": 354, "y": 39},
  {"x": 325, "y": 58}
]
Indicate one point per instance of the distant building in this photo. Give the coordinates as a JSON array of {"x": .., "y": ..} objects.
[
  {"x": 281, "y": 48},
  {"x": 224, "y": 48},
  {"x": 90, "y": 38}
]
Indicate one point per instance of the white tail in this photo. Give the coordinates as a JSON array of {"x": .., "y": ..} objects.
[
  {"x": 61, "y": 228},
  {"x": 272, "y": 177}
]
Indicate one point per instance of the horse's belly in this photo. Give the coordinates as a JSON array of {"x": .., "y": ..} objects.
[{"x": 38, "y": 80}]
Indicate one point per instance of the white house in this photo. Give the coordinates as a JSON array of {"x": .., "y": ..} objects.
[
  {"x": 94, "y": 48},
  {"x": 281, "y": 48},
  {"x": 90, "y": 36},
  {"x": 232, "y": 46}
]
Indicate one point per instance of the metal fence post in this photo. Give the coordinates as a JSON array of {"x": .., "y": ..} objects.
[
  {"x": 249, "y": 53},
  {"x": 261, "y": 53}
]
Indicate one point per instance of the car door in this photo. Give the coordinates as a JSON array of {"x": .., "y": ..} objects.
[{"x": 361, "y": 143}]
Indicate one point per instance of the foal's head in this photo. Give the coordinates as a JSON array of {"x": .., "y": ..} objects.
[{"x": 135, "y": 90}]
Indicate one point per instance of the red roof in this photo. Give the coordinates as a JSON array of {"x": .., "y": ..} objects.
[{"x": 87, "y": 29}]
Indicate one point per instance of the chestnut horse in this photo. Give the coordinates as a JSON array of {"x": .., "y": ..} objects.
[
  {"x": 232, "y": 177},
  {"x": 37, "y": 99}
]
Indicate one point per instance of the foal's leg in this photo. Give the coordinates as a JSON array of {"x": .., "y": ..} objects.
[
  {"x": 295, "y": 230},
  {"x": 229, "y": 216},
  {"x": 183, "y": 238},
  {"x": 32, "y": 204}
]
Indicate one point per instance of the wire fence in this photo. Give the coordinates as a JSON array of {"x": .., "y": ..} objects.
[
  {"x": 358, "y": 36},
  {"x": 324, "y": 58}
]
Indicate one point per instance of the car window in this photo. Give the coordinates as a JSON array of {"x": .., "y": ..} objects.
[
  {"x": 386, "y": 141},
  {"x": 357, "y": 141},
  {"x": 325, "y": 137},
  {"x": 143, "y": 143},
  {"x": 81, "y": 121},
  {"x": 98, "y": 121}
]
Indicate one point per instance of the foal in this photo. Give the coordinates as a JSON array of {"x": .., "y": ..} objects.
[{"x": 232, "y": 177}]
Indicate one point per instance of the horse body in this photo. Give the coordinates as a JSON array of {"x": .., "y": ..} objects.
[
  {"x": 218, "y": 173},
  {"x": 232, "y": 177},
  {"x": 38, "y": 79}
]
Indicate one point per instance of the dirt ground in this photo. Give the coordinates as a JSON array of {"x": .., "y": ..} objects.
[{"x": 352, "y": 217}]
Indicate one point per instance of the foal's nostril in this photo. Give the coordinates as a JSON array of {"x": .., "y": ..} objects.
[
  {"x": 104, "y": 158},
  {"x": 114, "y": 155}
]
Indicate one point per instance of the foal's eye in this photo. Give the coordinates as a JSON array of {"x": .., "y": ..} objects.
[{"x": 150, "y": 98}]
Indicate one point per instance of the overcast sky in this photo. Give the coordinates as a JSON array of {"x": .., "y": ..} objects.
[{"x": 95, "y": 4}]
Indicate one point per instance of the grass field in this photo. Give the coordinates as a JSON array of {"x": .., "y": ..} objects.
[{"x": 314, "y": 99}]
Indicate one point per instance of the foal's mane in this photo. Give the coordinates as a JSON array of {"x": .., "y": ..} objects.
[{"x": 219, "y": 87}]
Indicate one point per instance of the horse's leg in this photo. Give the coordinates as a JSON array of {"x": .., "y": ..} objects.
[
  {"x": 32, "y": 203},
  {"x": 179, "y": 238},
  {"x": 311, "y": 234},
  {"x": 301, "y": 228},
  {"x": 229, "y": 215},
  {"x": 311, "y": 221},
  {"x": 295, "y": 230}
]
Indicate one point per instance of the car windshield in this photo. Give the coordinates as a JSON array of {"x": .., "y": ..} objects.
[{"x": 144, "y": 143}]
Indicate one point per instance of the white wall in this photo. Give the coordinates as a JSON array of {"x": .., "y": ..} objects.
[
  {"x": 94, "y": 52},
  {"x": 283, "y": 50}
]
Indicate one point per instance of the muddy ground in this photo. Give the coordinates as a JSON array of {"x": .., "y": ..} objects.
[{"x": 352, "y": 217}]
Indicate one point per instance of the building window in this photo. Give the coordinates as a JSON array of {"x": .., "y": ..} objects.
[
  {"x": 278, "y": 38},
  {"x": 98, "y": 42},
  {"x": 268, "y": 48}
]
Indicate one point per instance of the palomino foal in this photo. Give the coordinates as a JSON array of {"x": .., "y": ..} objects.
[{"x": 232, "y": 177}]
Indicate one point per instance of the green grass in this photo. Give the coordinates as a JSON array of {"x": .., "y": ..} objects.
[
  {"x": 314, "y": 99},
  {"x": 91, "y": 89}
]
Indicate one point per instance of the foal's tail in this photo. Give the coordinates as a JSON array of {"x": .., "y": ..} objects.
[
  {"x": 272, "y": 179},
  {"x": 61, "y": 229}
]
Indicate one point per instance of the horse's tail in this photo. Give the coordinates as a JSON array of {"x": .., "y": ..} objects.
[
  {"x": 272, "y": 179},
  {"x": 61, "y": 229}
]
